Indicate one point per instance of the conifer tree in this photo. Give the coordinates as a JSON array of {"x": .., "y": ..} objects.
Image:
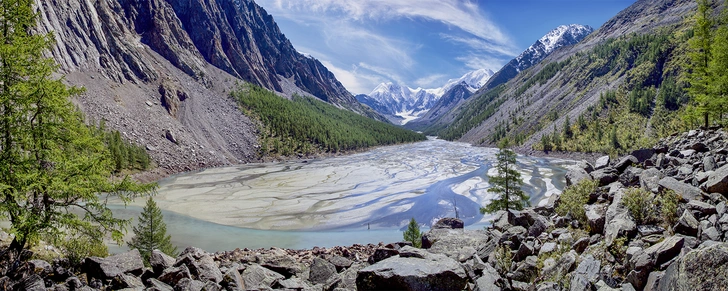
[
  {"x": 49, "y": 159},
  {"x": 412, "y": 234},
  {"x": 718, "y": 66},
  {"x": 506, "y": 184},
  {"x": 700, "y": 55},
  {"x": 151, "y": 232}
]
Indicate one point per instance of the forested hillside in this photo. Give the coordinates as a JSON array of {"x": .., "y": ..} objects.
[
  {"x": 611, "y": 93},
  {"x": 307, "y": 126}
]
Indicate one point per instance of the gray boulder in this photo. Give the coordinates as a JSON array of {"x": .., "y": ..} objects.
[
  {"x": 321, "y": 271},
  {"x": 701, "y": 269},
  {"x": 585, "y": 273},
  {"x": 257, "y": 277},
  {"x": 575, "y": 175},
  {"x": 596, "y": 216},
  {"x": 31, "y": 283},
  {"x": 172, "y": 276},
  {"x": 110, "y": 267},
  {"x": 658, "y": 253},
  {"x": 687, "y": 224},
  {"x": 448, "y": 223},
  {"x": 453, "y": 242},
  {"x": 718, "y": 181},
  {"x": 435, "y": 272},
  {"x": 621, "y": 225},
  {"x": 702, "y": 207},
  {"x": 708, "y": 163},
  {"x": 160, "y": 261},
  {"x": 643, "y": 154},
  {"x": 605, "y": 176},
  {"x": 688, "y": 192},
  {"x": 601, "y": 162},
  {"x": 489, "y": 281},
  {"x": 232, "y": 280},
  {"x": 625, "y": 162}
]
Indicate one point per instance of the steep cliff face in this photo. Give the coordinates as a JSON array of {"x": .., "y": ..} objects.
[{"x": 159, "y": 68}]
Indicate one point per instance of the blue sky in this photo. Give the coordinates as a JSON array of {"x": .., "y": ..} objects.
[{"x": 423, "y": 43}]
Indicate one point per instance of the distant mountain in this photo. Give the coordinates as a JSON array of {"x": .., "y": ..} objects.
[
  {"x": 564, "y": 35},
  {"x": 401, "y": 104}
]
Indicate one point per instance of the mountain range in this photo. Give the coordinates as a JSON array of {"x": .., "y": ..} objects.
[{"x": 401, "y": 104}]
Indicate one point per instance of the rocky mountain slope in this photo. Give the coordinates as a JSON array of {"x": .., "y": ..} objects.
[
  {"x": 160, "y": 71},
  {"x": 564, "y": 35},
  {"x": 570, "y": 81},
  {"x": 439, "y": 116},
  {"x": 402, "y": 104}
]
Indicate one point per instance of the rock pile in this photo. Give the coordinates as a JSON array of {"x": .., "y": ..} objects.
[{"x": 628, "y": 237}]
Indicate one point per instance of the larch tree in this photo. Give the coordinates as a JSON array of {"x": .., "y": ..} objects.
[
  {"x": 717, "y": 67},
  {"x": 413, "y": 234},
  {"x": 50, "y": 161},
  {"x": 506, "y": 184},
  {"x": 700, "y": 55},
  {"x": 151, "y": 232}
]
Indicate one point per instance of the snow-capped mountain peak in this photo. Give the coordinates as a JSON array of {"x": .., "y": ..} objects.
[
  {"x": 401, "y": 101},
  {"x": 563, "y": 35}
]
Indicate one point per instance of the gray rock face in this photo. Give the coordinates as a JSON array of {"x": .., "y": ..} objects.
[
  {"x": 110, "y": 267},
  {"x": 452, "y": 242},
  {"x": 489, "y": 280},
  {"x": 718, "y": 181},
  {"x": 702, "y": 269},
  {"x": 658, "y": 253},
  {"x": 625, "y": 162},
  {"x": 596, "y": 216},
  {"x": 688, "y": 192},
  {"x": 575, "y": 175},
  {"x": 605, "y": 176},
  {"x": 436, "y": 272}
]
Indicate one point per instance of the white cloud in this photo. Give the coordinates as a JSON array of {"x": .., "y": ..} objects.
[
  {"x": 431, "y": 81},
  {"x": 464, "y": 15},
  {"x": 354, "y": 80},
  {"x": 477, "y": 62}
]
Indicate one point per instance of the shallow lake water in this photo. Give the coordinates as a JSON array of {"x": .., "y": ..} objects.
[{"x": 362, "y": 198}]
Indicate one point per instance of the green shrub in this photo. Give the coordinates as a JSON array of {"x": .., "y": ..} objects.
[
  {"x": 574, "y": 198},
  {"x": 639, "y": 204},
  {"x": 668, "y": 202},
  {"x": 503, "y": 258},
  {"x": 78, "y": 248}
]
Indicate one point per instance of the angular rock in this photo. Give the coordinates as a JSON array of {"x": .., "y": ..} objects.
[
  {"x": 526, "y": 270},
  {"x": 630, "y": 177},
  {"x": 31, "y": 283},
  {"x": 718, "y": 181},
  {"x": 155, "y": 284},
  {"x": 160, "y": 261},
  {"x": 489, "y": 281},
  {"x": 710, "y": 233},
  {"x": 625, "y": 162},
  {"x": 127, "y": 281},
  {"x": 700, "y": 147},
  {"x": 257, "y": 277},
  {"x": 585, "y": 273},
  {"x": 448, "y": 223},
  {"x": 232, "y": 280},
  {"x": 172, "y": 276},
  {"x": 702, "y": 207},
  {"x": 658, "y": 253},
  {"x": 110, "y": 267},
  {"x": 563, "y": 266},
  {"x": 596, "y": 216},
  {"x": 646, "y": 230},
  {"x": 340, "y": 262},
  {"x": 436, "y": 272},
  {"x": 189, "y": 284},
  {"x": 643, "y": 154},
  {"x": 321, "y": 271},
  {"x": 452, "y": 242},
  {"x": 688, "y": 192},
  {"x": 621, "y": 225},
  {"x": 653, "y": 281},
  {"x": 381, "y": 254},
  {"x": 539, "y": 225},
  {"x": 580, "y": 245},
  {"x": 687, "y": 224},
  {"x": 637, "y": 278},
  {"x": 708, "y": 163},
  {"x": 701, "y": 269},
  {"x": 605, "y": 176},
  {"x": 575, "y": 175},
  {"x": 547, "y": 248},
  {"x": 601, "y": 162}
]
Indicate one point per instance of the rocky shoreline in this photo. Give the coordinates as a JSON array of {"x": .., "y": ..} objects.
[{"x": 610, "y": 248}]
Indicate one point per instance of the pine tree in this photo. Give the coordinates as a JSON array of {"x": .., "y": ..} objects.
[
  {"x": 718, "y": 66},
  {"x": 49, "y": 159},
  {"x": 506, "y": 184},
  {"x": 412, "y": 234},
  {"x": 151, "y": 232},
  {"x": 568, "y": 133},
  {"x": 700, "y": 55}
]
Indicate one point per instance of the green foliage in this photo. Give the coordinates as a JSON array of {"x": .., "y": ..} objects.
[
  {"x": 124, "y": 154},
  {"x": 667, "y": 202},
  {"x": 574, "y": 198},
  {"x": 49, "y": 159},
  {"x": 546, "y": 143},
  {"x": 305, "y": 125},
  {"x": 639, "y": 203},
  {"x": 506, "y": 184},
  {"x": 641, "y": 101},
  {"x": 700, "y": 56},
  {"x": 151, "y": 233},
  {"x": 77, "y": 248},
  {"x": 568, "y": 132},
  {"x": 503, "y": 259},
  {"x": 412, "y": 234}
]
